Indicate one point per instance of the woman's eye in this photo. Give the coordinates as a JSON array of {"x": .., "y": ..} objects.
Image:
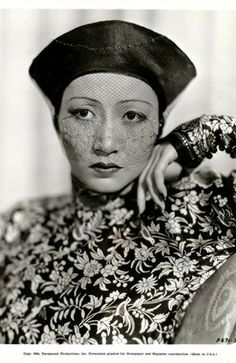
[
  {"x": 82, "y": 114},
  {"x": 134, "y": 116}
]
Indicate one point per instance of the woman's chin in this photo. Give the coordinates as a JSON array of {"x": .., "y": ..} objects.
[{"x": 108, "y": 185}]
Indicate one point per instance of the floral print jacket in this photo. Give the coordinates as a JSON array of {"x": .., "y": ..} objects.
[{"x": 70, "y": 273}]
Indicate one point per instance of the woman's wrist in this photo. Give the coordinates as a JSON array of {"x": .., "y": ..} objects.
[
  {"x": 202, "y": 137},
  {"x": 186, "y": 155}
]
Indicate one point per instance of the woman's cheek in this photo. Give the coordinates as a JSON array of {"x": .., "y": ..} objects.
[
  {"x": 77, "y": 141},
  {"x": 139, "y": 145},
  {"x": 77, "y": 145}
]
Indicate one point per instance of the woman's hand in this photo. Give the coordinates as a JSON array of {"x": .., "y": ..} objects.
[{"x": 152, "y": 177}]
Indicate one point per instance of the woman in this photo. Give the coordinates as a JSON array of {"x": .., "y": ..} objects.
[{"x": 104, "y": 266}]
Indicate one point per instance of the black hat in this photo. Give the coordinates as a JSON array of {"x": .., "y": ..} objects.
[{"x": 113, "y": 46}]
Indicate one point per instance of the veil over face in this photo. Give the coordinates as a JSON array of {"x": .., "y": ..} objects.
[{"x": 108, "y": 124}]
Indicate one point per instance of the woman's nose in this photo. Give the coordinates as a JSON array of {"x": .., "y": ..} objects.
[{"x": 105, "y": 142}]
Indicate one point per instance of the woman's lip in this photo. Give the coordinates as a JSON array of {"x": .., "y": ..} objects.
[
  {"x": 105, "y": 166},
  {"x": 105, "y": 173}
]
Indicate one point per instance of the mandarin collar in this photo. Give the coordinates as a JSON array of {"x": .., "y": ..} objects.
[{"x": 84, "y": 198}]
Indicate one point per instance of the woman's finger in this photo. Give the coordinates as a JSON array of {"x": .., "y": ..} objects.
[
  {"x": 142, "y": 186},
  {"x": 146, "y": 184},
  {"x": 167, "y": 155},
  {"x": 156, "y": 196},
  {"x": 155, "y": 193},
  {"x": 152, "y": 177},
  {"x": 164, "y": 155}
]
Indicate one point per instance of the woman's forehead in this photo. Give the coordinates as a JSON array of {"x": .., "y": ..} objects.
[{"x": 117, "y": 87}]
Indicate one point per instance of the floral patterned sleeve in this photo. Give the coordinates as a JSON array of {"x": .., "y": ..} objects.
[{"x": 202, "y": 137}]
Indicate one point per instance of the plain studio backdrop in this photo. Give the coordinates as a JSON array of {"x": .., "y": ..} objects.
[{"x": 32, "y": 163}]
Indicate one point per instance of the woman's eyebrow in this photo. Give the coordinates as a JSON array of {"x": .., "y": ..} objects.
[
  {"x": 137, "y": 100},
  {"x": 120, "y": 102},
  {"x": 83, "y": 98}
]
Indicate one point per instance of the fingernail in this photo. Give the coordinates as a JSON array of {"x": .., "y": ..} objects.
[
  {"x": 141, "y": 208},
  {"x": 141, "y": 211},
  {"x": 163, "y": 206}
]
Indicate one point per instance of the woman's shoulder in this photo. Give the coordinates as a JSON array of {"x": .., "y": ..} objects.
[
  {"x": 203, "y": 177},
  {"x": 23, "y": 216},
  {"x": 204, "y": 198},
  {"x": 208, "y": 182}
]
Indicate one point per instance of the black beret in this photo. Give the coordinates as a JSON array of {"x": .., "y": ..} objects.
[{"x": 113, "y": 46}]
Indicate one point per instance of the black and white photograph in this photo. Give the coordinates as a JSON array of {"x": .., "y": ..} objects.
[{"x": 118, "y": 177}]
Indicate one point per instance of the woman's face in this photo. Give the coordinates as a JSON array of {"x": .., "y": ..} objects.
[{"x": 108, "y": 124}]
